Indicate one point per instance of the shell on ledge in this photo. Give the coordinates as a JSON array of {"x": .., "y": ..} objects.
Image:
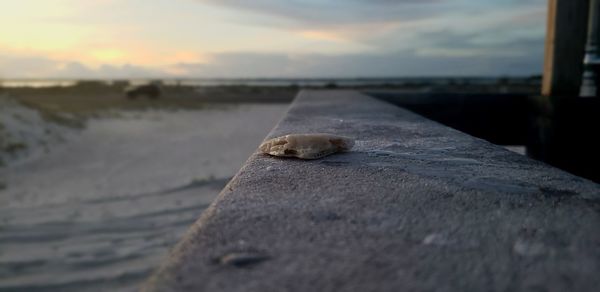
[{"x": 306, "y": 146}]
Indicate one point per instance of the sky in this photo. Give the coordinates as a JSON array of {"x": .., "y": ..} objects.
[{"x": 270, "y": 38}]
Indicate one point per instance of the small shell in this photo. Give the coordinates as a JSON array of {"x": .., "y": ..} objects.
[{"x": 306, "y": 146}]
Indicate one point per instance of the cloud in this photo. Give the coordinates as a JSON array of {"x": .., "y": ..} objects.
[
  {"x": 447, "y": 43},
  {"x": 448, "y": 54},
  {"x": 401, "y": 63},
  {"x": 359, "y": 21},
  {"x": 41, "y": 67},
  {"x": 391, "y": 25},
  {"x": 338, "y": 14},
  {"x": 293, "y": 38}
]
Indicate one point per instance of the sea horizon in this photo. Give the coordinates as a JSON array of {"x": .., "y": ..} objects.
[{"x": 268, "y": 81}]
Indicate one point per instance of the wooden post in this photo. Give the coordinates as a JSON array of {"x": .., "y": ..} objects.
[
  {"x": 591, "y": 63},
  {"x": 563, "y": 125},
  {"x": 565, "y": 42}
]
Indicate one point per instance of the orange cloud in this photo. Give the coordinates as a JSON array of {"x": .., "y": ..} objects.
[
  {"x": 353, "y": 33},
  {"x": 322, "y": 35},
  {"x": 108, "y": 55}
]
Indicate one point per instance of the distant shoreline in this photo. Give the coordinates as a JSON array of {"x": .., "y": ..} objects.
[{"x": 279, "y": 82}]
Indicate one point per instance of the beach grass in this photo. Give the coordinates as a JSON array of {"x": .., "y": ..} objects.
[{"x": 72, "y": 105}]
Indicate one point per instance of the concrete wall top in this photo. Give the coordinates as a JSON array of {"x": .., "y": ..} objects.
[{"x": 415, "y": 206}]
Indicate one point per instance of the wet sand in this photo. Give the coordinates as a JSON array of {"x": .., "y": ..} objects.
[{"x": 101, "y": 209}]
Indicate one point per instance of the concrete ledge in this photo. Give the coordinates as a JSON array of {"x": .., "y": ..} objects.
[{"x": 416, "y": 206}]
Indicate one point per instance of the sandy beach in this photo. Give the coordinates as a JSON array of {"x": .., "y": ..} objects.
[{"x": 98, "y": 210}]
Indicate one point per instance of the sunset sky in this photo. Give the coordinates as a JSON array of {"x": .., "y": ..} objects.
[{"x": 270, "y": 38}]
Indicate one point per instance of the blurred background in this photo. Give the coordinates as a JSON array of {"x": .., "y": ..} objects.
[{"x": 120, "y": 121}]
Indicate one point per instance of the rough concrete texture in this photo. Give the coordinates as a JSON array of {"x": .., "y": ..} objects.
[{"x": 415, "y": 206}]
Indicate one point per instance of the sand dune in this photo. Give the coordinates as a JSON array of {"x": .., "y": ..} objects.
[{"x": 100, "y": 209}]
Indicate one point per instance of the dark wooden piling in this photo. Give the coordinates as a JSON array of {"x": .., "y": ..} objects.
[
  {"x": 564, "y": 126},
  {"x": 565, "y": 44}
]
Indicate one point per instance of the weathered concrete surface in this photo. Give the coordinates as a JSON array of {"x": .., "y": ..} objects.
[{"x": 416, "y": 206}]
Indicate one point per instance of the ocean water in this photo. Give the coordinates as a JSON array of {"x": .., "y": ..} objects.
[
  {"x": 303, "y": 82},
  {"x": 100, "y": 210}
]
